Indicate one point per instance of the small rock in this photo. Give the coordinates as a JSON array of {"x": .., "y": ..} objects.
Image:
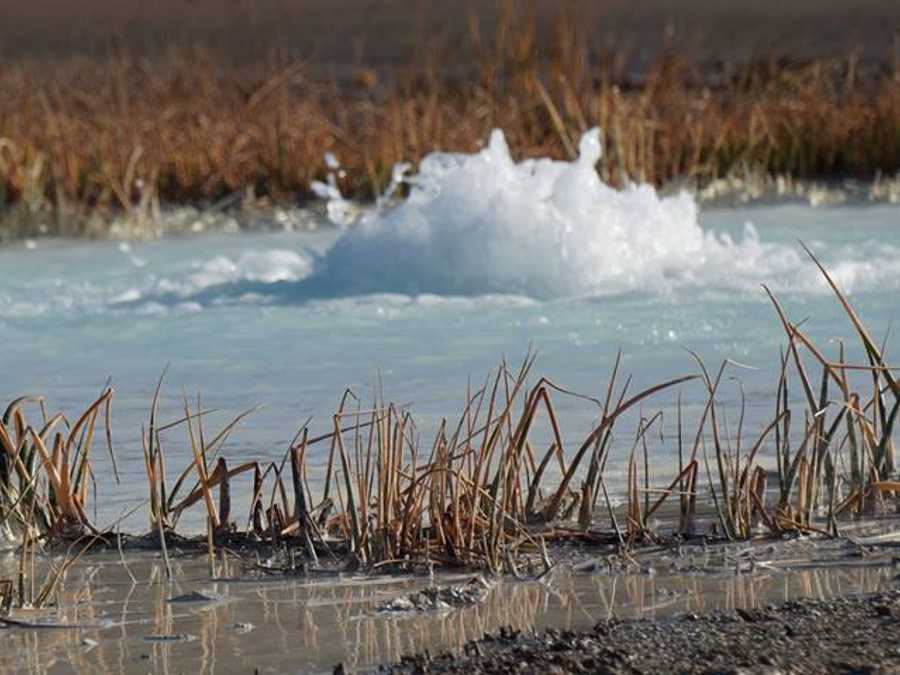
[
  {"x": 439, "y": 598},
  {"x": 168, "y": 637},
  {"x": 753, "y": 615},
  {"x": 193, "y": 596}
]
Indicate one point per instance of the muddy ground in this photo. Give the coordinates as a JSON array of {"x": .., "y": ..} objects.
[{"x": 847, "y": 635}]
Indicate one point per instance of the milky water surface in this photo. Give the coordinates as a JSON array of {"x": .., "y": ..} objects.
[{"x": 485, "y": 259}]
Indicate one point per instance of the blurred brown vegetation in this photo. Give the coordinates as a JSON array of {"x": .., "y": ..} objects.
[{"x": 101, "y": 133}]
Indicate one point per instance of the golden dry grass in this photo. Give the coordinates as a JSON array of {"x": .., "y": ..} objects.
[
  {"x": 94, "y": 135},
  {"x": 498, "y": 482}
]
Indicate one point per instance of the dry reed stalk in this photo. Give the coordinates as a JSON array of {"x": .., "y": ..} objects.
[
  {"x": 44, "y": 492},
  {"x": 6, "y": 596}
]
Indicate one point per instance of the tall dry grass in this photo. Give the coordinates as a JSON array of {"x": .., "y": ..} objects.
[
  {"x": 117, "y": 133},
  {"x": 497, "y": 483}
]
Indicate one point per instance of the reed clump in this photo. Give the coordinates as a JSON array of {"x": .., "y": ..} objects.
[
  {"x": 46, "y": 475},
  {"x": 82, "y": 138},
  {"x": 497, "y": 486}
]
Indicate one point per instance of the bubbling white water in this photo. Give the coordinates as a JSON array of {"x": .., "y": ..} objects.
[
  {"x": 482, "y": 223},
  {"x": 475, "y": 227},
  {"x": 263, "y": 267}
]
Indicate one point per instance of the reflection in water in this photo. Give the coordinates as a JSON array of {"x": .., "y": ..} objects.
[{"x": 309, "y": 626}]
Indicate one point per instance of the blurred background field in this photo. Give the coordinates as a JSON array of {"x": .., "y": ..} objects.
[
  {"x": 338, "y": 32},
  {"x": 112, "y": 108}
]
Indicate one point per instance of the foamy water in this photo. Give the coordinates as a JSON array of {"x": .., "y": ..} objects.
[
  {"x": 482, "y": 223},
  {"x": 485, "y": 257},
  {"x": 472, "y": 226}
]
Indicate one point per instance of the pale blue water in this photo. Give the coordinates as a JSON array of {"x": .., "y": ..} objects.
[{"x": 248, "y": 319}]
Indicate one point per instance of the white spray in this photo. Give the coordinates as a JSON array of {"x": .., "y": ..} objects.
[{"x": 482, "y": 223}]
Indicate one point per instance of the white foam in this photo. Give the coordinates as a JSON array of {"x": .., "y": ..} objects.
[
  {"x": 265, "y": 267},
  {"x": 481, "y": 223},
  {"x": 475, "y": 230}
]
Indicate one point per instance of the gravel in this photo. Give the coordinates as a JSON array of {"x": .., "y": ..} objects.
[{"x": 846, "y": 635}]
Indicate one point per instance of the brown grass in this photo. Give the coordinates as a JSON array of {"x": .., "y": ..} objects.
[
  {"x": 499, "y": 482},
  {"x": 118, "y": 133}
]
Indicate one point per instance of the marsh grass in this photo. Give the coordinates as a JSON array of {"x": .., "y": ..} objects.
[
  {"x": 82, "y": 139},
  {"x": 46, "y": 475},
  {"x": 495, "y": 486}
]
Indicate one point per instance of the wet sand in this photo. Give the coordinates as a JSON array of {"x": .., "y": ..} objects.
[{"x": 340, "y": 33}]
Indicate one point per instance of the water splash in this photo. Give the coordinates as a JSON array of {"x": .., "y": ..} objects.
[
  {"x": 340, "y": 211},
  {"x": 474, "y": 226},
  {"x": 482, "y": 223}
]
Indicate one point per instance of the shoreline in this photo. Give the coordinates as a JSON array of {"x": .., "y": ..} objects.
[
  {"x": 844, "y": 635},
  {"x": 701, "y": 480},
  {"x": 227, "y": 613}
]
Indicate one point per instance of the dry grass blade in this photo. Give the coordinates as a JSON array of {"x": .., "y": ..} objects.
[
  {"x": 871, "y": 347},
  {"x": 606, "y": 423}
]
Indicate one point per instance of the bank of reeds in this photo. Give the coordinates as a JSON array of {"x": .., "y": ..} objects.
[
  {"x": 496, "y": 486},
  {"x": 122, "y": 133}
]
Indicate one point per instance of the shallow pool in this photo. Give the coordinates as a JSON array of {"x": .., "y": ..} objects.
[{"x": 423, "y": 300}]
